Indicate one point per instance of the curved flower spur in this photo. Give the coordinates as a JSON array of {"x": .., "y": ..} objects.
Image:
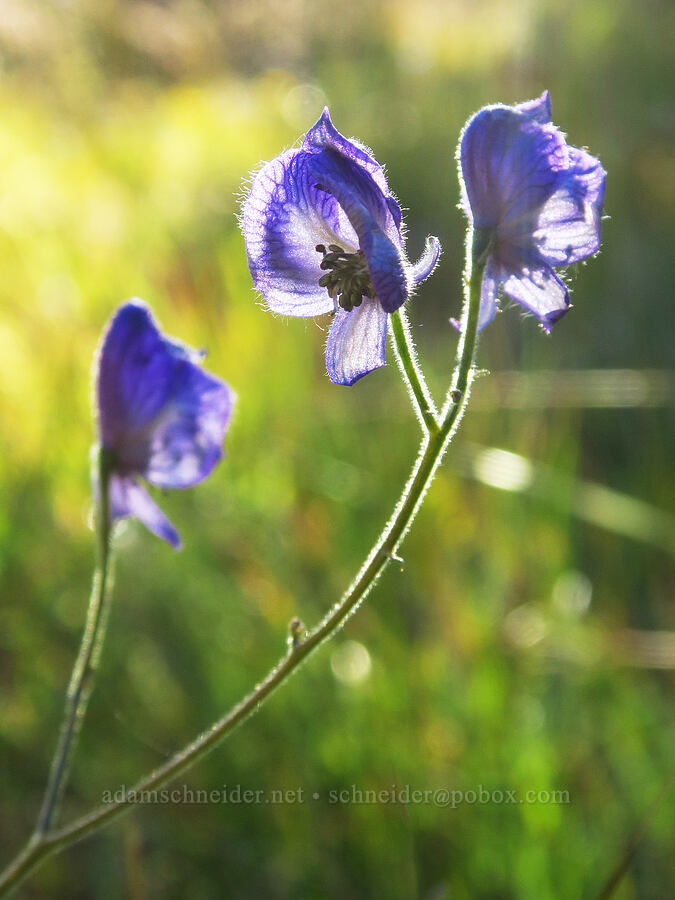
[
  {"x": 324, "y": 235},
  {"x": 160, "y": 416},
  {"x": 534, "y": 202}
]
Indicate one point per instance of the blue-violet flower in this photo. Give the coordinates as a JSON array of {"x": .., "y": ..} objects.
[
  {"x": 534, "y": 203},
  {"x": 324, "y": 235},
  {"x": 160, "y": 415}
]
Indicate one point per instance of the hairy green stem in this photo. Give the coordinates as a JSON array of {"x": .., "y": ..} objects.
[
  {"x": 84, "y": 672},
  {"x": 412, "y": 374},
  {"x": 384, "y": 550},
  {"x": 476, "y": 257}
]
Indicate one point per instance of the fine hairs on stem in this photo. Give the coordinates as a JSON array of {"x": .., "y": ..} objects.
[
  {"x": 420, "y": 395},
  {"x": 437, "y": 433},
  {"x": 84, "y": 671}
]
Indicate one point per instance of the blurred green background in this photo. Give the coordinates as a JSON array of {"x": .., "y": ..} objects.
[{"x": 526, "y": 643}]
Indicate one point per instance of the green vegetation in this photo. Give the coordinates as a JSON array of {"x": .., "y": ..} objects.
[{"x": 523, "y": 646}]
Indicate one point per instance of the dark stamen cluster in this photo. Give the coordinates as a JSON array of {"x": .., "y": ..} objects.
[{"x": 347, "y": 278}]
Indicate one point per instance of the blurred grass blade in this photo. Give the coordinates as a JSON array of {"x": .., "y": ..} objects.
[
  {"x": 589, "y": 501},
  {"x": 581, "y": 388}
]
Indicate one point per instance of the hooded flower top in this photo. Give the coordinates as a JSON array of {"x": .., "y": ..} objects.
[
  {"x": 160, "y": 415},
  {"x": 534, "y": 202},
  {"x": 323, "y": 234}
]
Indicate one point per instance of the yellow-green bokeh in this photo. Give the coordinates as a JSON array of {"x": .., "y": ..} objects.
[{"x": 501, "y": 656}]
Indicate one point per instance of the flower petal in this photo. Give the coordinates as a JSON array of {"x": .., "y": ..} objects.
[
  {"x": 284, "y": 217},
  {"x": 356, "y": 342},
  {"x": 323, "y": 134},
  {"x": 130, "y": 499},
  {"x": 539, "y": 109},
  {"x": 369, "y": 214},
  {"x": 569, "y": 225},
  {"x": 186, "y": 441},
  {"x": 509, "y": 165},
  {"x": 540, "y": 291},
  {"x": 132, "y": 347},
  {"x": 427, "y": 262},
  {"x": 161, "y": 413}
]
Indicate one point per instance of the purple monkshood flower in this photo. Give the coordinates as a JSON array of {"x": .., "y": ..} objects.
[
  {"x": 534, "y": 202},
  {"x": 324, "y": 235},
  {"x": 160, "y": 415}
]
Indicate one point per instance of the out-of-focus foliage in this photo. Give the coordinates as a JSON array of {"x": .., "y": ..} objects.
[{"x": 521, "y": 648}]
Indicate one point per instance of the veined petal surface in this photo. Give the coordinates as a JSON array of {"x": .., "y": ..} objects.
[
  {"x": 356, "y": 342},
  {"x": 284, "y": 217}
]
